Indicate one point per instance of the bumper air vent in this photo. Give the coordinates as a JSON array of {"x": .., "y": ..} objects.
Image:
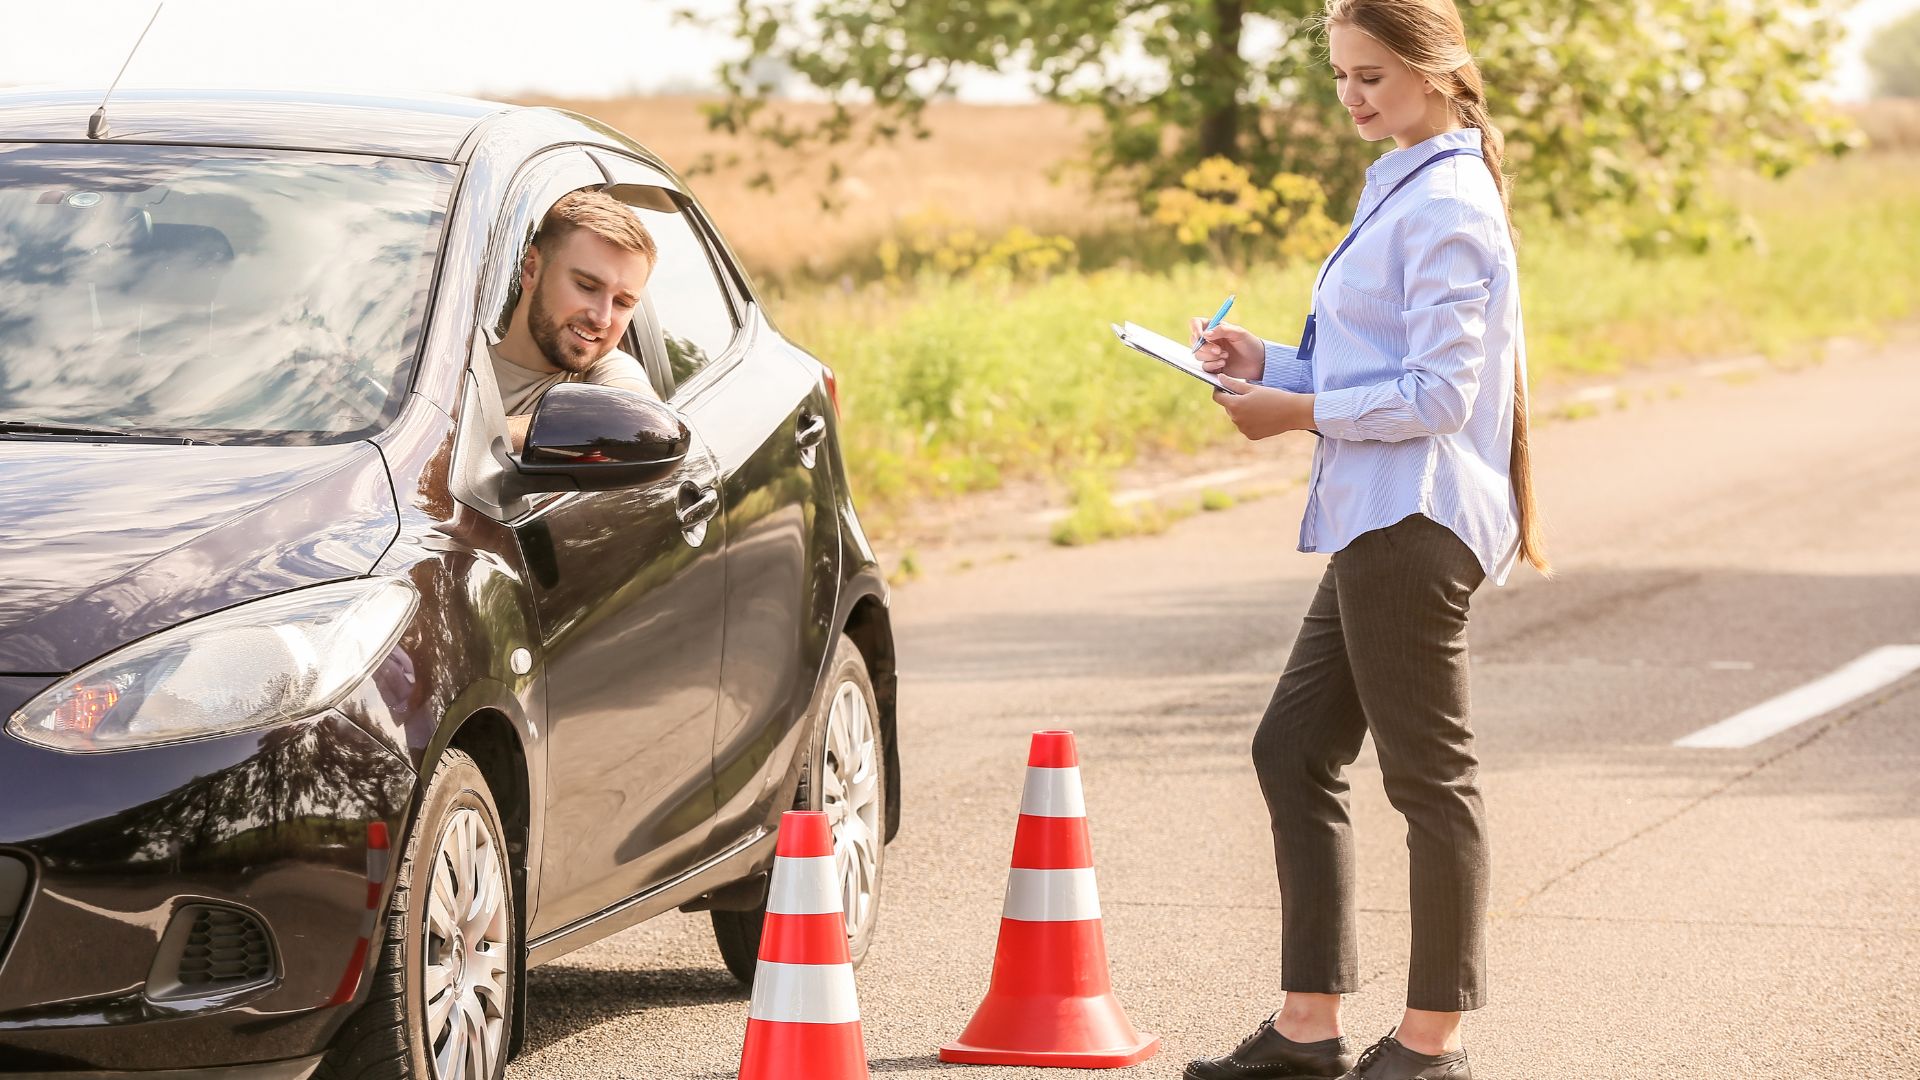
[
  {"x": 13, "y": 897},
  {"x": 210, "y": 949}
]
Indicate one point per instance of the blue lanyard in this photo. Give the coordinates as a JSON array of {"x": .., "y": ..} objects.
[{"x": 1307, "y": 334}]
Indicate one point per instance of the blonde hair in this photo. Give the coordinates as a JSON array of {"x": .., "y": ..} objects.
[
  {"x": 1428, "y": 36},
  {"x": 600, "y": 214}
]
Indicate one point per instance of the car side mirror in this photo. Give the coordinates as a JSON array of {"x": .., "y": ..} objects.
[{"x": 585, "y": 437}]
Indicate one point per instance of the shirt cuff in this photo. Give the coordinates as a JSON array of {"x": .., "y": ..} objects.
[{"x": 1284, "y": 370}]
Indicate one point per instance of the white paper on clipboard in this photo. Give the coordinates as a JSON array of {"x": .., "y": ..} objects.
[{"x": 1166, "y": 350}]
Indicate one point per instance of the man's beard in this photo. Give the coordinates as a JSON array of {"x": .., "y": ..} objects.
[{"x": 558, "y": 344}]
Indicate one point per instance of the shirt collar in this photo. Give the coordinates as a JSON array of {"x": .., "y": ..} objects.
[{"x": 1395, "y": 165}]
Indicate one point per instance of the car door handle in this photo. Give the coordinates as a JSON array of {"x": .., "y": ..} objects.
[
  {"x": 813, "y": 428},
  {"x": 697, "y": 505}
]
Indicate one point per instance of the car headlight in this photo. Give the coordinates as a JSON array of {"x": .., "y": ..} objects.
[{"x": 260, "y": 663}]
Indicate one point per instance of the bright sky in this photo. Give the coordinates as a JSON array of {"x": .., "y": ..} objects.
[{"x": 484, "y": 47}]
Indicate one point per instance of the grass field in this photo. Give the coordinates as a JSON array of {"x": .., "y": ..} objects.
[{"x": 951, "y": 386}]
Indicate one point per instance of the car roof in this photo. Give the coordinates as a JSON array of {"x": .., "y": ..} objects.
[{"x": 424, "y": 126}]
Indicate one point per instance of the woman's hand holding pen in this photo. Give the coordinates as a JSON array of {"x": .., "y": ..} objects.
[
  {"x": 1239, "y": 357},
  {"x": 1229, "y": 349},
  {"x": 1262, "y": 412}
]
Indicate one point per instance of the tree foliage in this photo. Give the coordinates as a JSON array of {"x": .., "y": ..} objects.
[
  {"x": 1894, "y": 58},
  {"x": 1616, "y": 111}
]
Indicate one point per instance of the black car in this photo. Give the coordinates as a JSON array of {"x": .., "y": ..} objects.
[{"x": 326, "y": 714}]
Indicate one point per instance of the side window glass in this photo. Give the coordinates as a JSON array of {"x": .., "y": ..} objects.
[
  {"x": 535, "y": 190},
  {"x": 695, "y": 315}
]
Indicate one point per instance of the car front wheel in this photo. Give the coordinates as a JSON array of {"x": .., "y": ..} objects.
[
  {"x": 846, "y": 777},
  {"x": 441, "y": 1001}
]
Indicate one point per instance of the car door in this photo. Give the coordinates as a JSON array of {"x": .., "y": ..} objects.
[
  {"x": 629, "y": 588},
  {"x": 763, "y": 408}
]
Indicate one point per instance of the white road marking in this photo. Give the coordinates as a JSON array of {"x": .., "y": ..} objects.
[
  {"x": 1597, "y": 393},
  {"x": 1881, "y": 667}
]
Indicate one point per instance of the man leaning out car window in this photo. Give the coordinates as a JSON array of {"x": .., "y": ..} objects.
[{"x": 579, "y": 282}]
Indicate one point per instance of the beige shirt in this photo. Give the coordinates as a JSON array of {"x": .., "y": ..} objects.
[{"x": 520, "y": 388}]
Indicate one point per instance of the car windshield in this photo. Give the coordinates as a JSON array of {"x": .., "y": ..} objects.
[{"x": 226, "y": 296}]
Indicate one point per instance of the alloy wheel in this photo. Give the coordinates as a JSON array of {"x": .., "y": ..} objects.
[
  {"x": 466, "y": 964},
  {"x": 852, "y": 799}
]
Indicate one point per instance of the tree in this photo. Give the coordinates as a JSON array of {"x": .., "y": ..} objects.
[
  {"x": 1616, "y": 111},
  {"x": 1894, "y": 58}
]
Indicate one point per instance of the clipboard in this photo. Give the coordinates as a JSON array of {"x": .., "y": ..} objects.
[{"x": 1167, "y": 351}]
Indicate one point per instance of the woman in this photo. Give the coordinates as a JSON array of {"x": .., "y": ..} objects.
[{"x": 1411, "y": 368}]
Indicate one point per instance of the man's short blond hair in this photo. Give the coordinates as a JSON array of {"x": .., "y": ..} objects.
[{"x": 600, "y": 214}]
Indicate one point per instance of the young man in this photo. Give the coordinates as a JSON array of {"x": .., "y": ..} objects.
[{"x": 579, "y": 283}]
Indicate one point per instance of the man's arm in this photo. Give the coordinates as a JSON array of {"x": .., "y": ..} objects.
[
  {"x": 517, "y": 430},
  {"x": 623, "y": 371}
]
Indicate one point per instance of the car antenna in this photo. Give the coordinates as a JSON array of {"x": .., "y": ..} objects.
[{"x": 97, "y": 123}]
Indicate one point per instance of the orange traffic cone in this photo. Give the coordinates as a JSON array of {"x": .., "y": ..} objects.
[
  {"x": 1049, "y": 1002},
  {"x": 803, "y": 1020}
]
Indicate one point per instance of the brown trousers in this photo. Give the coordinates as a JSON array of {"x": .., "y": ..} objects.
[{"x": 1383, "y": 650}]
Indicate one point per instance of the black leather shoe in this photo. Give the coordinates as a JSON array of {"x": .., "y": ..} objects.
[
  {"x": 1267, "y": 1053},
  {"x": 1388, "y": 1060}
]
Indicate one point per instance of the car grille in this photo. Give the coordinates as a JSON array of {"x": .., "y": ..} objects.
[
  {"x": 13, "y": 896},
  {"x": 210, "y": 949}
]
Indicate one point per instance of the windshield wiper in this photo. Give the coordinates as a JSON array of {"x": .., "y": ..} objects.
[{"x": 78, "y": 432}]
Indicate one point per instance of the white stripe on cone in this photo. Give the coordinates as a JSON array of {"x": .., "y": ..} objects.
[
  {"x": 804, "y": 886},
  {"x": 804, "y": 994},
  {"x": 1053, "y": 793},
  {"x": 1051, "y": 895}
]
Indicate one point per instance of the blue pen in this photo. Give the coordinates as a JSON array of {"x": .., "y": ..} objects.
[{"x": 1217, "y": 316}]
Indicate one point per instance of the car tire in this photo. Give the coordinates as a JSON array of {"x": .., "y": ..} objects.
[
  {"x": 443, "y": 983},
  {"x": 845, "y": 775}
]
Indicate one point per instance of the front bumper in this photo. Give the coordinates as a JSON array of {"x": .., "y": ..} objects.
[
  {"x": 296, "y": 1069},
  {"x": 271, "y": 829}
]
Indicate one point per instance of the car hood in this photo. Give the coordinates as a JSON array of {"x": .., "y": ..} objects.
[{"x": 101, "y": 544}]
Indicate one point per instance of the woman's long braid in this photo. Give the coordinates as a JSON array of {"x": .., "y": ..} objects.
[{"x": 1471, "y": 106}]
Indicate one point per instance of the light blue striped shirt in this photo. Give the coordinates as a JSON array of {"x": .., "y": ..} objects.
[{"x": 1418, "y": 338}]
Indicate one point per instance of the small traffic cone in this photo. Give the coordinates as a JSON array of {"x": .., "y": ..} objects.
[
  {"x": 1049, "y": 1002},
  {"x": 803, "y": 1020}
]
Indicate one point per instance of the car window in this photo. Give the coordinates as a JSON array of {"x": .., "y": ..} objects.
[
  {"x": 695, "y": 315},
  {"x": 538, "y": 186},
  {"x": 221, "y": 295}
]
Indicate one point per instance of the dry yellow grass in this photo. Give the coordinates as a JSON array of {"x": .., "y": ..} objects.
[
  {"x": 985, "y": 165},
  {"x": 1891, "y": 125}
]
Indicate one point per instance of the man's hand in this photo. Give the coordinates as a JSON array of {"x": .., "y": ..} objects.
[
  {"x": 517, "y": 430},
  {"x": 1262, "y": 412},
  {"x": 1230, "y": 349}
]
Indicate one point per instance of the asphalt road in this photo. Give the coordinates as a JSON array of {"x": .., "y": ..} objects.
[{"x": 1657, "y": 911}]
